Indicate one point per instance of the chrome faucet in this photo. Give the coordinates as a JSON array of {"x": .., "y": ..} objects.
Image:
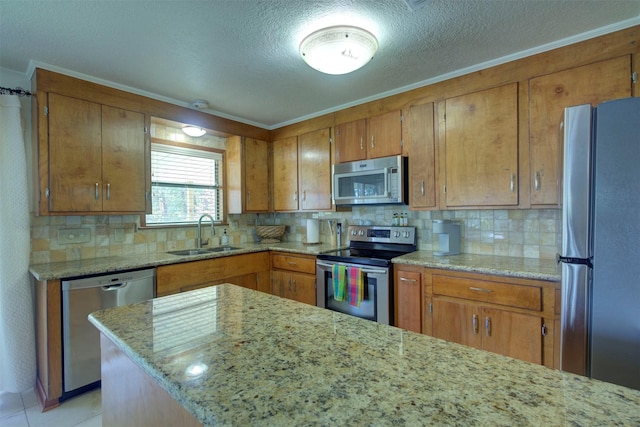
[{"x": 200, "y": 229}]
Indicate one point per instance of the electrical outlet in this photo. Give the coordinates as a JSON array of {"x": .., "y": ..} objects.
[{"x": 68, "y": 236}]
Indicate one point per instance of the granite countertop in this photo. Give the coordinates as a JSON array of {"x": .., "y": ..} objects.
[
  {"x": 525, "y": 268},
  {"x": 265, "y": 361},
  {"x": 60, "y": 270}
]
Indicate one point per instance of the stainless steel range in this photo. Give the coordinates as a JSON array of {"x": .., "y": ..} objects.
[{"x": 371, "y": 249}]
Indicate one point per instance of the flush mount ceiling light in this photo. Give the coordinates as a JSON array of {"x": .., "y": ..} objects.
[
  {"x": 194, "y": 131},
  {"x": 338, "y": 50}
]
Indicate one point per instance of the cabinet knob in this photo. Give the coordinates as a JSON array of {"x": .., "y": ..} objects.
[
  {"x": 372, "y": 143},
  {"x": 536, "y": 181},
  {"x": 475, "y": 324},
  {"x": 513, "y": 182},
  {"x": 108, "y": 191},
  {"x": 487, "y": 325},
  {"x": 97, "y": 191}
]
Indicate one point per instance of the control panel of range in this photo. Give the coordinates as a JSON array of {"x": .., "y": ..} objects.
[{"x": 380, "y": 234}]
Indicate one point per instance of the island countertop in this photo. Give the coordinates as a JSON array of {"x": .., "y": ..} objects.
[{"x": 264, "y": 360}]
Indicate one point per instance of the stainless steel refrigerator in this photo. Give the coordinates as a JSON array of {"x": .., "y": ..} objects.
[{"x": 600, "y": 317}]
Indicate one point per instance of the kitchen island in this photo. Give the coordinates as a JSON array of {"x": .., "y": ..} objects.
[{"x": 233, "y": 356}]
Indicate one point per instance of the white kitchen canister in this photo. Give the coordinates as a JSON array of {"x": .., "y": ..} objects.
[{"x": 313, "y": 231}]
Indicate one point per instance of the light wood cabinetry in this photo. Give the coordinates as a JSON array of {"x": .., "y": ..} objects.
[
  {"x": 408, "y": 291},
  {"x": 350, "y": 141},
  {"x": 420, "y": 137},
  {"x": 479, "y": 148},
  {"x": 302, "y": 172},
  {"x": 548, "y": 97},
  {"x": 247, "y": 270},
  {"x": 293, "y": 276},
  {"x": 506, "y": 315},
  {"x": 91, "y": 158},
  {"x": 247, "y": 166},
  {"x": 377, "y": 136}
]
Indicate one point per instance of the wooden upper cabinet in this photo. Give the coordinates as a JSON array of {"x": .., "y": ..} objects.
[
  {"x": 384, "y": 135},
  {"x": 420, "y": 137},
  {"x": 350, "y": 141},
  {"x": 548, "y": 97},
  {"x": 285, "y": 174},
  {"x": 480, "y": 148},
  {"x": 247, "y": 175},
  {"x": 123, "y": 160},
  {"x": 96, "y": 158},
  {"x": 314, "y": 163},
  {"x": 256, "y": 173},
  {"x": 378, "y": 136}
]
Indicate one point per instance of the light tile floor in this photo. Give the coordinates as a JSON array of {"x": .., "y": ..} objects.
[{"x": 22, "y": 410}]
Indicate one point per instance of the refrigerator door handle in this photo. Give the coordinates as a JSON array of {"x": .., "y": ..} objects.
[{"x": 573, "y": 260}]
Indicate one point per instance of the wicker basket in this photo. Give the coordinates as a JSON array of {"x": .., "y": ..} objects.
[{"x": 270, "y": 233}]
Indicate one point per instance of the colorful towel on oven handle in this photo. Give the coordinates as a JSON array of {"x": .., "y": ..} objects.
[
  {"x": 338, "y": 274},
  {"x": 355, "y": 286}
]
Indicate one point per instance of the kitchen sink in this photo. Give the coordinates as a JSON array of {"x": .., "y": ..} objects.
[
  {"x": 189, "y": 252},
  {"x": 222, "y": 249}
]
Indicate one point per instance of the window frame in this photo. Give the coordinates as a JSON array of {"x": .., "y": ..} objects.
[{"x": 222, "y": 187}]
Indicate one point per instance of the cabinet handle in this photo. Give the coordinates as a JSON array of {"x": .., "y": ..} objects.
[
  {"x": 97, "y": 191},
  {"x": 404, "y": 279},
  {"x": 473, "y": 288},
  {"x": 361, "y": 146},
  {"x": 292, "y": 263},
  {"x": 295, "y": 196},
  {"x": 249, "y": 196},
  {"x": 372, "y": 144},
  {"x": 304, "y": 195},
  {"x": 295, "y": 286},
  {"x": 108, "y": 191},
  {"x": 487, "y": 325},
  {"x": 536, "y": 181},
  {"x": 475, "y": 323},
  {"x": 422, "y": 188},
  {"x": 513, "y": 182}
]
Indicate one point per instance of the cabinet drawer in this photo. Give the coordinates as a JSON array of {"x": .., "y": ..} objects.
[
  {"x": 527, "y": 297},
  {"x": 294, "y": 263}
]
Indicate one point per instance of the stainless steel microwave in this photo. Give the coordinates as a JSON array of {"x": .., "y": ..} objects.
[{"x": 374, "y": 181}]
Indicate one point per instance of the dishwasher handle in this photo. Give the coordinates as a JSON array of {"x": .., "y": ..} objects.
[{"x": 110, "y": 288}]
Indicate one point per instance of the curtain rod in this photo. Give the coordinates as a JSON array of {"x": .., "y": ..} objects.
[{"x": 15, "y": 91}]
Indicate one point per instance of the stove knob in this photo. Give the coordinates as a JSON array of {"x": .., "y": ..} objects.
[
  {"x": 406, "y": 234},
  {"x": 396, "y": 234},
  {"x": 362, "y": 232},
  {"x": 354, "y": 232}
]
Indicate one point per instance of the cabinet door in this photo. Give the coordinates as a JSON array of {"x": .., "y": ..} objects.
[
  {"x": 123, "y": 160},
  {"x": 285, "y": 174},
  {"x": 350, "y": 141},
  {"x": 278, "y": 282},
  {"x": 422, "y": 158},
  {"x": 457, "y": 322},
  {"x": 408, "y": 300},
  {"x": 304, "y": 288},
  {"x": 314, "y": 160},
  {"x": 384, "y": 135},
  {"x": 548, "y": 97},
  {"x": 75, "y": 159},
  {"x": 256, "y": 161},
  {"x": 481, "y": 148},
  {"x": 512, "y": 334}
]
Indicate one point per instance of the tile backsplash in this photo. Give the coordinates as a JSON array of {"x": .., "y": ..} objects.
[{"x": 520, "y": 233}]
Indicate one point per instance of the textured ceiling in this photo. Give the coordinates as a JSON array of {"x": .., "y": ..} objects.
[{"x": 242, "y": 56}]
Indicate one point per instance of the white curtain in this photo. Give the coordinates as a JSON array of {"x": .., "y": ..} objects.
[{"x": 17, "y": 328}]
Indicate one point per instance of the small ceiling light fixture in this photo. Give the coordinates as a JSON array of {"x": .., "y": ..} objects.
[
  {"x": 338, "y": 50},
  {"x": 194, "y": 131}
]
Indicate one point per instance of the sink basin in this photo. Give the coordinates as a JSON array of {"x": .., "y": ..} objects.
[
  {"x": 189, "y": 252},
  {"x": 222, "y": 249}
]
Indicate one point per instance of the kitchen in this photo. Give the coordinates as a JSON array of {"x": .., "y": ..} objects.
[{"x": 532, "y": 233}]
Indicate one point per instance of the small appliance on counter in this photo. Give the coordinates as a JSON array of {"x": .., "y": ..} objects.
[{"x": 448, "y": 237}]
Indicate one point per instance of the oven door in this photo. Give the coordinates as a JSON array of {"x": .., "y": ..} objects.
[{"x": 376, "y": 305}]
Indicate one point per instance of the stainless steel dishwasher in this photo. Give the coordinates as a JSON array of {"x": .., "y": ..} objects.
[{"x": 80, "y": 339}]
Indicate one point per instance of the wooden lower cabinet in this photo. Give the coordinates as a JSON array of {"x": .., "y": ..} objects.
[
  {"x": 505, "y": 315},
  {"x": 247, "y": 270},
  {"x": 293, "y": 276},
  {"x": 499, "y": 331}
]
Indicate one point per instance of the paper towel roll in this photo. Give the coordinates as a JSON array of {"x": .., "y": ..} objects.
[{"x": 313, "y": 231}]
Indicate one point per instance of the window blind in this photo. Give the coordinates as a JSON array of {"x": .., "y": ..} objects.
[{"x": 185, "y": 183}]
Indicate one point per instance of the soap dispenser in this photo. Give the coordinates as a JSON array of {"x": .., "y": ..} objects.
[{"x": 224, "y": 240}]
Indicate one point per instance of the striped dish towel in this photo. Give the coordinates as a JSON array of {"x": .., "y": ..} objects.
[
  {"x": 356, "y": 286},
  {"x": 339, "y": 282}
]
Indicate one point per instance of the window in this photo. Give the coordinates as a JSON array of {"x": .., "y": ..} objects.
[{"x": 185, "y": 183}]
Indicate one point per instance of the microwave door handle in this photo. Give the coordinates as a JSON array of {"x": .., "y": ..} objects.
[{"x": 387, "y": 184}]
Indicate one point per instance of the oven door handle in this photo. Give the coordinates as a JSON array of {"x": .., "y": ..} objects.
[{"x": 364, "y": 270}]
